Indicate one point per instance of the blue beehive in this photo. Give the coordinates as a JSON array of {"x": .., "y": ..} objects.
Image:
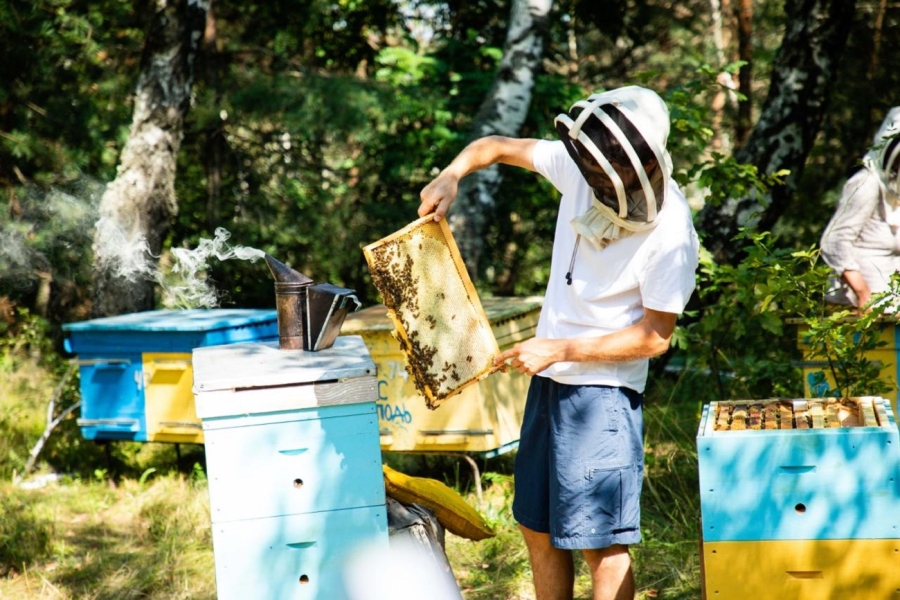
[
  {"x": 293, "y": 463},
  {"x": 812, "y": 483},
  {"x": 800, "y": 499},
  {"x": 136, "y": 370}
]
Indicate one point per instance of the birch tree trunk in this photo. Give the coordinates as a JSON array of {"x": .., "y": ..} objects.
[
  {"x": 501, "y": 113},
  {"x": 802, "y": 75},
  {"x": 745, "y": 77},
  {"x": 137, "y": 207}
]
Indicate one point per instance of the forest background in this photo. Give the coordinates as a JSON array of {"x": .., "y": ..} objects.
[{"x": 130, "y": 130}]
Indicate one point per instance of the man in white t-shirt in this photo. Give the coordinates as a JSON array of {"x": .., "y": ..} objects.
[{"x": 622, "y": 270}]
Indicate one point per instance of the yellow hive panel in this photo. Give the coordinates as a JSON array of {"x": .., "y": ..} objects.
[
  {"x": 169, "y": 398},
  {"x": 438, "y": 318},
  {"x": 802, "y": 570}
]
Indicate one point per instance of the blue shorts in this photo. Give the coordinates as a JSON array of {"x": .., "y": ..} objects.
[{"x": 580, "y": 464}]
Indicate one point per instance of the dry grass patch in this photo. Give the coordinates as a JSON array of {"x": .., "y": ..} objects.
[{"x": 132, "y": 541}]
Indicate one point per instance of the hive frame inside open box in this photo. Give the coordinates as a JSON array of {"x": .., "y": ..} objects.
[{"x": 437, "y": 315}]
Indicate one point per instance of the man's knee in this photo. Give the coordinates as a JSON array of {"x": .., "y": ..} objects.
[{"x": 617, "y": 553}]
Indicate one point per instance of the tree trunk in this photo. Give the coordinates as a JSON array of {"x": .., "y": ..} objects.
[
  {"x": 724, "y": 96},
  {"x": 745, "y": 76},
  {"x": 802, "y": 75},
  {"x": 501, "y": 113},
  {"x": 137, "y": 207}
]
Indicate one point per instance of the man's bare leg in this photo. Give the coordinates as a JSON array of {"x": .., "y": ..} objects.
[
  {"x": 611, "y": 573},
  {"x": 552, "y": 569}
]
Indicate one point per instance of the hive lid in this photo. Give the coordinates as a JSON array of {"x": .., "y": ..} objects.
[
  {"x": 438, "y": 318},
  {"x": 263, "y": 365},
  {"x": 200, "y": 319}
]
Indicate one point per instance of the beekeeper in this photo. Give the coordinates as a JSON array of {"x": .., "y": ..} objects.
[
  {"x": 861, "y": 243},
  {"x": 622, "y": 270}
]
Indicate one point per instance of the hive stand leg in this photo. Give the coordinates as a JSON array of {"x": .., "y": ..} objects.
[{"x": 178, "y": 457}]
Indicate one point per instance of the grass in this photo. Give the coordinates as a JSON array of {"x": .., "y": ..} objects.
[
  {"x": 88, "y": 540},
  {"x": 148, "y": 536}
]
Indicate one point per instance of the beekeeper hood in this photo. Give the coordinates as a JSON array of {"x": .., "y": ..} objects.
[
  {"x": 618, "y": 140},
  {"x": 883, "y": 158}
]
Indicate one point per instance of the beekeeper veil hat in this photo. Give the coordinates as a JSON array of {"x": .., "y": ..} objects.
[
  {"x": 618, "y": 140},
  {"x": 883, "y": 158}
]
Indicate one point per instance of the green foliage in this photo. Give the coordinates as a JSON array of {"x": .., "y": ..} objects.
[
  {"x": 747, "y": 332},
  {"x": 724, "y": 177}
]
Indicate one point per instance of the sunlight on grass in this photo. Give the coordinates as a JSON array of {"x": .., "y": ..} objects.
[{"x": 132, "y": 541}]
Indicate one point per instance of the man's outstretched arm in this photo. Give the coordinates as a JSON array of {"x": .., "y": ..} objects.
[{"x": 437, "y": 196}]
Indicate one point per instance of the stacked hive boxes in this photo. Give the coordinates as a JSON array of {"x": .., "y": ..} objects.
[
  {"x": 800, "y": 499},
  {"x": 293, "y": 463},
  {"x": 484, "y": 417},
  {"x": 136, "y": 371}
]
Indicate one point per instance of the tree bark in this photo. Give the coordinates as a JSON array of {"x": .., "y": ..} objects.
[
  {"x": 745, "y": 75},
  {"x": 501, "y": 113},
  {"x": 802, "y": 75},
  {"x": 137, "y": 207}
]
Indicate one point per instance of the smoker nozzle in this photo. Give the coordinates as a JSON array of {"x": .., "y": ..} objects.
[{"x": 284, "y": 274}]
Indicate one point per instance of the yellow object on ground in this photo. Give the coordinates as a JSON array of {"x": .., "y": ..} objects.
[{"x": 451, "y": 509}]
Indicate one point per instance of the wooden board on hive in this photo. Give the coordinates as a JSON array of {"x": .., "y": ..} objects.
[{"x": 819, "y": 413}]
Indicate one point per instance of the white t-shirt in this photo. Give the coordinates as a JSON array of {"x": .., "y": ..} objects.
[{"x": 611, "y": 286}]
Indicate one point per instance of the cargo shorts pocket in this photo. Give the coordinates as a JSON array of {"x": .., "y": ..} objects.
[{"x": 612, "y": 499}]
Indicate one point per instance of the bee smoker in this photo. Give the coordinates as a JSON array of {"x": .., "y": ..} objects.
[{"x": 310, "y": 315}]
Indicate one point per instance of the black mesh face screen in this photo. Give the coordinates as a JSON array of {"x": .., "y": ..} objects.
[
  {"x": 609, "y": 145},
  {"x": 593, "y": 173},
  {"x": 646, "y": 155}
]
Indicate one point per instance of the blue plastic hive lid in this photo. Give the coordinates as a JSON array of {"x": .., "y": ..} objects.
[{"x": 170, "y": 330}]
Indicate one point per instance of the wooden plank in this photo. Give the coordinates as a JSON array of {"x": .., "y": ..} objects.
[
  {"x": 817, "y": 415},
  {"x": 785, "y": 415},
  {"x": 755, "y": 420},
  {"x": 881, "y": 412},
  {"x": 739, "y": 417},
  {"x": 831, "y": 414},
  {"x": 723, "y": 416},
  {"x": 800, "y": 414},
  {"x": 770, "y": 416},
  {"x": 849, "y": 413},
  {"x": 867, "y": 413}
]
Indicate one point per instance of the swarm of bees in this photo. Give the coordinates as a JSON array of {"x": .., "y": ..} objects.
[{"x": 438, "y": 318}]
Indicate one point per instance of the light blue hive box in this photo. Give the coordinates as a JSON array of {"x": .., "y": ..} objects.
[
  {"x": 293, "y": 463},
  {"x": 789, "y": 484}
]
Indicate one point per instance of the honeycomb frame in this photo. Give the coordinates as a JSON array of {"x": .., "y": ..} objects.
[{"x": 437, "y": 315}]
